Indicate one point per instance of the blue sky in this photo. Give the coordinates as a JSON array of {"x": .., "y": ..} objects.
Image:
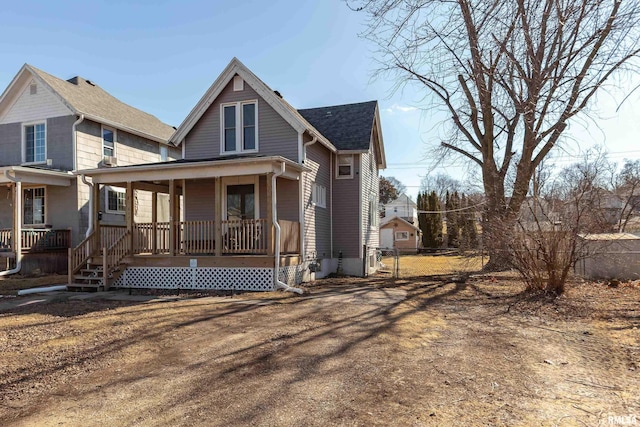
[{"x": 162, "y": 55}]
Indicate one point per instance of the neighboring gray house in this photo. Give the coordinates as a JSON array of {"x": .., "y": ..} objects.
[
  {"x": 50, "y": 127},
  {"x": 264, "y": 194}
]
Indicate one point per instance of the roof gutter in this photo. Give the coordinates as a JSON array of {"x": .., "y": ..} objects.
[
  {"x": 17, "y": 239},
  {"x": 277, "y": 284}
]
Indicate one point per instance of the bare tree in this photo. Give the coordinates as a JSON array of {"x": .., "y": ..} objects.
[
  {"x": 627, "y": 192},
  {"x": 547, "y": 241},
  {"x": 512, "y": 74},
  {"x": 441, "y": 183}
]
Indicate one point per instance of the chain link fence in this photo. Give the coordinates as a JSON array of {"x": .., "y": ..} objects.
[{"x": 402, "y": 265}]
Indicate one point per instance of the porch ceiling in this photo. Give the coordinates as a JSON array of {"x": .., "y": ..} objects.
[
  {"x": 177, "y": 170},
  {"x": 31, "y": 175}
]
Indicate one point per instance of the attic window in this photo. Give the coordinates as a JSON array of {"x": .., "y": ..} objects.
[
  {"x": 345, "y": 166},
  {"x": 33, "y": 89},
  {"x": 238, "y": 84}
]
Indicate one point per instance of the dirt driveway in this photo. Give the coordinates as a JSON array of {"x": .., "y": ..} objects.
[{"x": 352, "y": 352}]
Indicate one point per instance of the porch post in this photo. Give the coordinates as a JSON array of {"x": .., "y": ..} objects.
[
  {"x": 129, "y": 213},
  {"x": 16, "y": 233},
  {"x": 218, "y": 216},
  {"x": 172, "y": 218},
  {"x": 269, "y": 226},
  {"x": 154, "y": 222}
]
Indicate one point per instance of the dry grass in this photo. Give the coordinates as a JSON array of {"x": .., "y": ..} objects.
[
  {"x": 10, "y": 285},
  {"x": 430, "y": 265}
]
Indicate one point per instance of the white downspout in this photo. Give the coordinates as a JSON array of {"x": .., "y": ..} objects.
[
  {"x": 302, "y": 221},
  {"x": 74, "y": 140},
  {"x": 276, "y": 282},
  {"x": 17, "y": 212},
  {"x": 91, "y": 213}
]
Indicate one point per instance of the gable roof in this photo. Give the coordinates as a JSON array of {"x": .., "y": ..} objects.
[
  {"x": 386, "y": 222},
  {"x": 235, "y": 67},
  {"x": 84, "y": 97},
  {"x": 402, "y": 199},
  {"x": 347, "y": 126}
]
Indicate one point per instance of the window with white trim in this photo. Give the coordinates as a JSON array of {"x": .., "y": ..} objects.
[
  {"x": 402, "y": 235},
  {"x": 33, "y": 206},
  {"x": 319, "y": 195},
  {"x": 116, "y": 201},
  {"x": 108, "y": 141},
  {"x": 35, "y": 143},
  {"x": 239, "y": 127},
  {"x": 345, "y": 166}
]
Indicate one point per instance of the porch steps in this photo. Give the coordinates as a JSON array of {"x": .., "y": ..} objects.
[{"x": 90, "y": 279}]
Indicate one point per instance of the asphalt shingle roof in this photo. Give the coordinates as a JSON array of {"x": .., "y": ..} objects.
[
  {"x": 90, "y": 99},
  {"x": 348, "y": 126}
]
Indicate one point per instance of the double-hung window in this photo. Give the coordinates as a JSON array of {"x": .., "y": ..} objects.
[
  {"x": 319, "y": 195},
  {"x": 115, "y": 201},
  {"x": 33, "y": 210},
  {"x": 239, "y": 127},
  {"x": 108, "y": 142},
  {"x": 35, "y": 143}
]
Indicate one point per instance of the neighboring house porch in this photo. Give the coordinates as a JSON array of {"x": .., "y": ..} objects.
[
  {"x": 234, "y": 224},
  {"x": 26, "y": 214}
]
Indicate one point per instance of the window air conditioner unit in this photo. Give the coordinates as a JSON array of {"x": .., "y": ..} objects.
[{"x": 110, "y": 161}]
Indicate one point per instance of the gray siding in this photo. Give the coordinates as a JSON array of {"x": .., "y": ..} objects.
[
  {"x": 10, "y": 144},
  {"x": 61, "y": 211},
  {"x": 288, "y": 199},
  {"x": 275, "y": 135},
  {"x": 199, "y": 203},
  {"x": 370, "y": 184},
  {"x": 6, "y": 207},
  {"x": 346, "y": 210},
  {"x": 59, "y": 143},
  {"x": 317, "y": 220}
]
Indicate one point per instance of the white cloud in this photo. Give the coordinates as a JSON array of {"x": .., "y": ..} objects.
[{"x": 396, "y": 108}]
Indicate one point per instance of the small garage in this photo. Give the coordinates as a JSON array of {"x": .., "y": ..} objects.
[{"x": 399, "y": 234}]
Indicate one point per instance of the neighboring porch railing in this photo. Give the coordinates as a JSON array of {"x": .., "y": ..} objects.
[
  {"x": 36, "y": 239},
  {"x": 5, "y": 239}
]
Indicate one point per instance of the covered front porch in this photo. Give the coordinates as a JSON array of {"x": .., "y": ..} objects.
[
  {"x": 224, "y": 227},
  {"x": 25, "y": 211}
]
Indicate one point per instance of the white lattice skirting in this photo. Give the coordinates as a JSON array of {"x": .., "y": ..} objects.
[
  {"x": 246, "y": 279},
  {"x": 291, "y": 275}
]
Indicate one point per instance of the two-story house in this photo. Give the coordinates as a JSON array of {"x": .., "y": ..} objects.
[
  {"x": 265, "y": 195},
  {"x": 50, "y": 127}
]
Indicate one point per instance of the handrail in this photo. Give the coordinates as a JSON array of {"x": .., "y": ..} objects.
[
  {"x": 113, "y": 255},
  {"x": 79, "y": 255}
]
